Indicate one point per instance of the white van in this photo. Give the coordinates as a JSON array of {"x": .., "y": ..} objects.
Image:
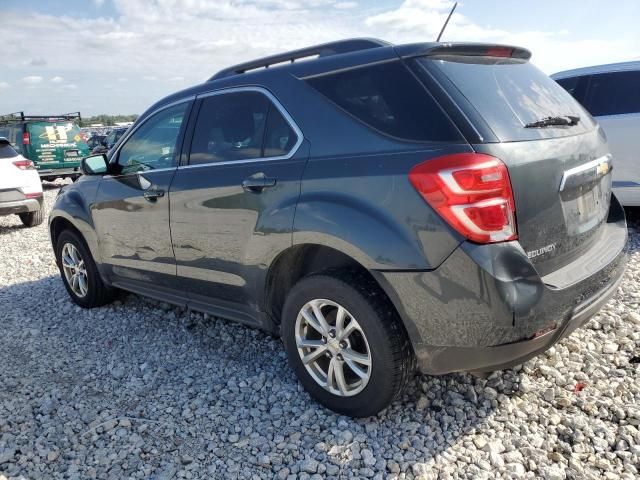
[{"x": 611, "y": 93}]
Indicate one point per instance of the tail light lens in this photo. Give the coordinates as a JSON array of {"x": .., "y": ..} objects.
[
  {"x": 472, "y": 192},
  {"x": 25, "y": 138},
  {"x": 24, "y": 164}
]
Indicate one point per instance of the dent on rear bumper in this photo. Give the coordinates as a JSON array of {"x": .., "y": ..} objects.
[{"x": 484, "y": 296}]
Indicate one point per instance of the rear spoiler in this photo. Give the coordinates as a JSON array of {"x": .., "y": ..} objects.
[{"x": 462, "y": 49}]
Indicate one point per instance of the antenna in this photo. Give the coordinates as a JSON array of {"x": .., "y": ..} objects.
[{"x": 447, "y": 21}]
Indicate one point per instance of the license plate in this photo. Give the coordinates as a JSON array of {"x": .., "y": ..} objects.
[{"x": 71, "y": 154}]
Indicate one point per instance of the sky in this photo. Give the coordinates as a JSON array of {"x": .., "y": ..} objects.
[{"x": 120, "y": 56}]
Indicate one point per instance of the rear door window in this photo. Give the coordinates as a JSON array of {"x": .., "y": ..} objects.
[
  {"x": 614, "y": 93},
  {"x": 388, "y": 98},
  {"x": 239, "y": 126},
  {"x": 509, "y": 94}
]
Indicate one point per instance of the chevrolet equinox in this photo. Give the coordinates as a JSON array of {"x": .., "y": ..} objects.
[{"x": 383, "y": 208}]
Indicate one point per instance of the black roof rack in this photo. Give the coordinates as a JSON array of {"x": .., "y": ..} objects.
[
  {"x": 19, "y": 117},
  {"x": 324, "y": 50}
]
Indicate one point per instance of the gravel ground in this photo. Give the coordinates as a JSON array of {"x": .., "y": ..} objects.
[{"x": 139, "y": 389}]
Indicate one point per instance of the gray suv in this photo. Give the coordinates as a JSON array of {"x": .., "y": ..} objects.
[{"x": 445, "y": 207}]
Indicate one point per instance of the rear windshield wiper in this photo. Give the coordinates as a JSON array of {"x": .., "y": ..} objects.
[{"x": 561, "y": 120}]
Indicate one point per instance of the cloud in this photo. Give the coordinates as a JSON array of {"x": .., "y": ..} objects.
[
  {"x": 56, "y": 79},
  {"x": 153, "y": 41},
  {"x": 37, "y": 62},
  {"x": 70, "y": 86},
  {"x": 422, "y": 20},
  {"x": 175, "y": 79},
  {"x": 32, "y": 79},
  {"x": 345, "y": 5},
  {"x": 4, "y": 85},
  {"x": 98, "y": 3}
]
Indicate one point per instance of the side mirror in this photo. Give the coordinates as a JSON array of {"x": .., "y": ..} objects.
[{"x": 94, "y": 165}]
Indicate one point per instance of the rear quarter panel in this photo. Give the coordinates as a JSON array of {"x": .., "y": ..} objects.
[{"x": 364, "y": 206}]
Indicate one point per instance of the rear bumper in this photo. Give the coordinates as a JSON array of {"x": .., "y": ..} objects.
[
  {"x": 59, "y": 172},
  {"x": 488, "y": 359},
  {"x": 21, "y": 206},
  {"x": 485, "y": 307}
]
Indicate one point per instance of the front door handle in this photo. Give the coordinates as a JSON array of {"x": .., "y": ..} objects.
[
  {"x": 153, "y": 195},
  {"x": 257, "y": 184}
]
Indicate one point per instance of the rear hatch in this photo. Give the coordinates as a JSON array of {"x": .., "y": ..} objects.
[
  {"x": 55, "y": 144},
  {"x": 557, "y": 157}
]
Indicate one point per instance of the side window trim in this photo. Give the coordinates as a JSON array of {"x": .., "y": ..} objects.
[
  {"x": 179, "y": 141},
  {"x": 273, "y": 102}
]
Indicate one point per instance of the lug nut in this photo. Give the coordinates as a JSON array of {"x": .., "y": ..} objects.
[
  {"x": 324, "y": 340},
  {"x": 332, "y": 333},
  {"x": 339, "y": 357},
  {"x": 343, "y": 344}
]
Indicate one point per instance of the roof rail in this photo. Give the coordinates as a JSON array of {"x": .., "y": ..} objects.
[
  {"x": 324, "y": 50},
  {"x": 18, "y": 117}
]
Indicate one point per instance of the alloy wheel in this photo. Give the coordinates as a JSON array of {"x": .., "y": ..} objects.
[
  {"x": 333, "y": 347},
  {"x": 74, "y": 270}
]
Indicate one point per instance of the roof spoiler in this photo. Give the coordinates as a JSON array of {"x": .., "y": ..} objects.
[
  {"x": 463, "y": 49},
  {"x": 323, "y": 50}
]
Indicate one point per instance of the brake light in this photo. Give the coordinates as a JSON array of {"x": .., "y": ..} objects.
[
  {"x": 24, "y": 164},
  {"x": 499, "y": 52},
  {"x": 25, "y": 138},
  {"x": 33, "y": 195},
  {"x": 472, "y": 192}
]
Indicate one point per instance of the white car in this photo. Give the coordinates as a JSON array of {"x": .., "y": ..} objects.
[
  {"x": 611, "y": 93},
  {"x": 20, "y": 186}
]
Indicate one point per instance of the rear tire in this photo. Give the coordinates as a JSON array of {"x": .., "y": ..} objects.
[
  {"x": 376, "y": 359},
  {"x": 32, "y": 219},
  {"x": 79, "y": 272}
]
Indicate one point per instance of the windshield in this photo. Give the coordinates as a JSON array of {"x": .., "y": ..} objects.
[{"x": 510, "y": 94}]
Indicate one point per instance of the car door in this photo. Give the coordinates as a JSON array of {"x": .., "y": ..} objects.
[
  {"x": 131, "y": 210},
  {"x": 232, "y": 205}
]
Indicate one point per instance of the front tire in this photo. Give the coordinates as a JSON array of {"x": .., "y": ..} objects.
[
  {"x": 346, "y": 344},
  {"x": 32, "y": 219},
  {"x": 79, "y": 272}
]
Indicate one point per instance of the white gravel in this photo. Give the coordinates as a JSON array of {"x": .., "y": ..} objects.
[{"x": 142, "y": 390}]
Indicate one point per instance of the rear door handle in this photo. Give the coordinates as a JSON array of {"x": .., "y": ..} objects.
[
  {"x": 153, "y": 195},
  {"x": 257, "y": 184}
]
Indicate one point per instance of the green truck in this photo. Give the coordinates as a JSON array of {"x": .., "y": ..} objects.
[{"x": 54, "y": 143}]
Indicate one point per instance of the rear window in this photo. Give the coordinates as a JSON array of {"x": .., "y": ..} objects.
[
  {"x": 389, "y": 99},
  {"x": 615, "y": 93},
  {"x": 511, "y": 93},
  {"x": 7, "y": 151}
]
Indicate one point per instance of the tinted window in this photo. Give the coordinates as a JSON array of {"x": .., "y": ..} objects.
[
  {"x": 388, "y": 98},
  {"x": 6, "y": 151},
  {"x": 613, "y": 93},
  {"x": 509, "y": 94},
  {"x": 153, "y": 145},
  {"x": 229, "y": 127},
  {"x": 279, "y": 137}
]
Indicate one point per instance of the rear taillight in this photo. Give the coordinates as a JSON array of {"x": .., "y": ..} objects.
[
  {"x": 33, "y": 195},
  {"x": 472, "y": 192},
  {"x": 25, "y": 138},
  {"x": 24, "y": 164}
]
